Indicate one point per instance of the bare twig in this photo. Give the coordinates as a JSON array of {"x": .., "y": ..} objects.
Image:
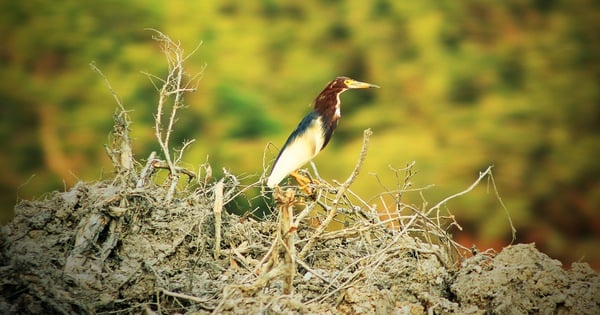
[
  {"x": 184, "y": 147},
  {"x": 120, "y": 151},
  {"x": 107, "y": 83},
  {"x": 203, "y": 179},
  {"x": 146, "y": 171},
  {"x": 487, "y": 172},
  {"x": 184, "y": 296},
  {"x": 156, "y": 164},
  {"x": 512, "y": 227}
]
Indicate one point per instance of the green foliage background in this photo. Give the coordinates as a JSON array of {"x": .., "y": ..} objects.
[{"x": 465, "y": 84}]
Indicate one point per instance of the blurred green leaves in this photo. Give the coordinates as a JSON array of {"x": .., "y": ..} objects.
[{"x": 249, "y": 117}]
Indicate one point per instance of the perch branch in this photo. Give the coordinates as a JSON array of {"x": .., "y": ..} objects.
[{"x": 340, "y": 194}]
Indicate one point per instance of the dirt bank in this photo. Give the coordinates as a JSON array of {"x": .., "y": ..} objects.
[{"x": 101, "y": 248}]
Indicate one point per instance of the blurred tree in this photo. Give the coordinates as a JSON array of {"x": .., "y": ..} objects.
[{"x": 249, "y": 118}]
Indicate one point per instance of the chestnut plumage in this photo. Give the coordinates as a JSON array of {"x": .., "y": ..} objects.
[{"x": 314, "y": 131}]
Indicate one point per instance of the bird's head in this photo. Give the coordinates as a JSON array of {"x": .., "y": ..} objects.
[
  {"x": 328, "y": 102},
  {"x": 345, "y": 83}
]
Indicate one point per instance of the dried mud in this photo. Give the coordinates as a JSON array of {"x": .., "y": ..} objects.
[{"x": 98, "y": 248}]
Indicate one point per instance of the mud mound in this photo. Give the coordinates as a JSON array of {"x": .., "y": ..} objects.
[
  {"x": 522, "y": 280},
  {"x": 101, "y": 249}
]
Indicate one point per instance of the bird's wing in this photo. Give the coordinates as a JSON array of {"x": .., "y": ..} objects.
[{"x": 301, "y": 147}]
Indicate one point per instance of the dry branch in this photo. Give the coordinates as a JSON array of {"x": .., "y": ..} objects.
[
  {"x": 487, "y": 173},
  {"x": 171, "y": 92},
  {"x": 482, "y": 175},
  {"x": 120, "y": 151},
  {"x": 147, "y": 171}
]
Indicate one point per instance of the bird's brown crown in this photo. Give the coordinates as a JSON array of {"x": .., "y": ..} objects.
[{"x": 328, "y": 101}]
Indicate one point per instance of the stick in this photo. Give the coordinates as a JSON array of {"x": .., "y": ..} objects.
[
  {"x": 218, "y": 209},
  {"x": 487, "y": 172},
  {"x": 184, "y": 296},
  {"x": 146, "y": 171},
  {"x": 287, "y": 235}
]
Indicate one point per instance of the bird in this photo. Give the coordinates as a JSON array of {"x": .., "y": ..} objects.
[{"x": 313, "y": 132}]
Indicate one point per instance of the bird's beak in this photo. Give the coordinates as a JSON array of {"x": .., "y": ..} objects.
[{"x": 360, "y": 85}]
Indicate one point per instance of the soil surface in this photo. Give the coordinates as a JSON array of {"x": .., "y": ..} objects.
[{"x": 105, "y": 248}]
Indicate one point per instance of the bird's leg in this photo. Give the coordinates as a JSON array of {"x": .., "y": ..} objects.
[
  {"x": 310, "y": 178},
  {"x": 303, "y": 181}
]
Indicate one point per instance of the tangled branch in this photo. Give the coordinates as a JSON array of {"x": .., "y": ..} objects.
[{"x": 171, "y": 91}]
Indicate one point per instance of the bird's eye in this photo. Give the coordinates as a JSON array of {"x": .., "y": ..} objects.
[{"x": 347, "y": 82}]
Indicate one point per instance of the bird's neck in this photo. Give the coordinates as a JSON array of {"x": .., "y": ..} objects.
[{"x": 327, "y": 104}]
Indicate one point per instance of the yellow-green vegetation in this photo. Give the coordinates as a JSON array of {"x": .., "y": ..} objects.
[{"x": 463, "y": 85}]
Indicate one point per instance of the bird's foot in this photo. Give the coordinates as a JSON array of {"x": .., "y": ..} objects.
[{"x": 305, "y": 182}]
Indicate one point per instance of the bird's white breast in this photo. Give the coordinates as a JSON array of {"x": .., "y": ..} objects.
[{"x": 303, "y": 149}]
